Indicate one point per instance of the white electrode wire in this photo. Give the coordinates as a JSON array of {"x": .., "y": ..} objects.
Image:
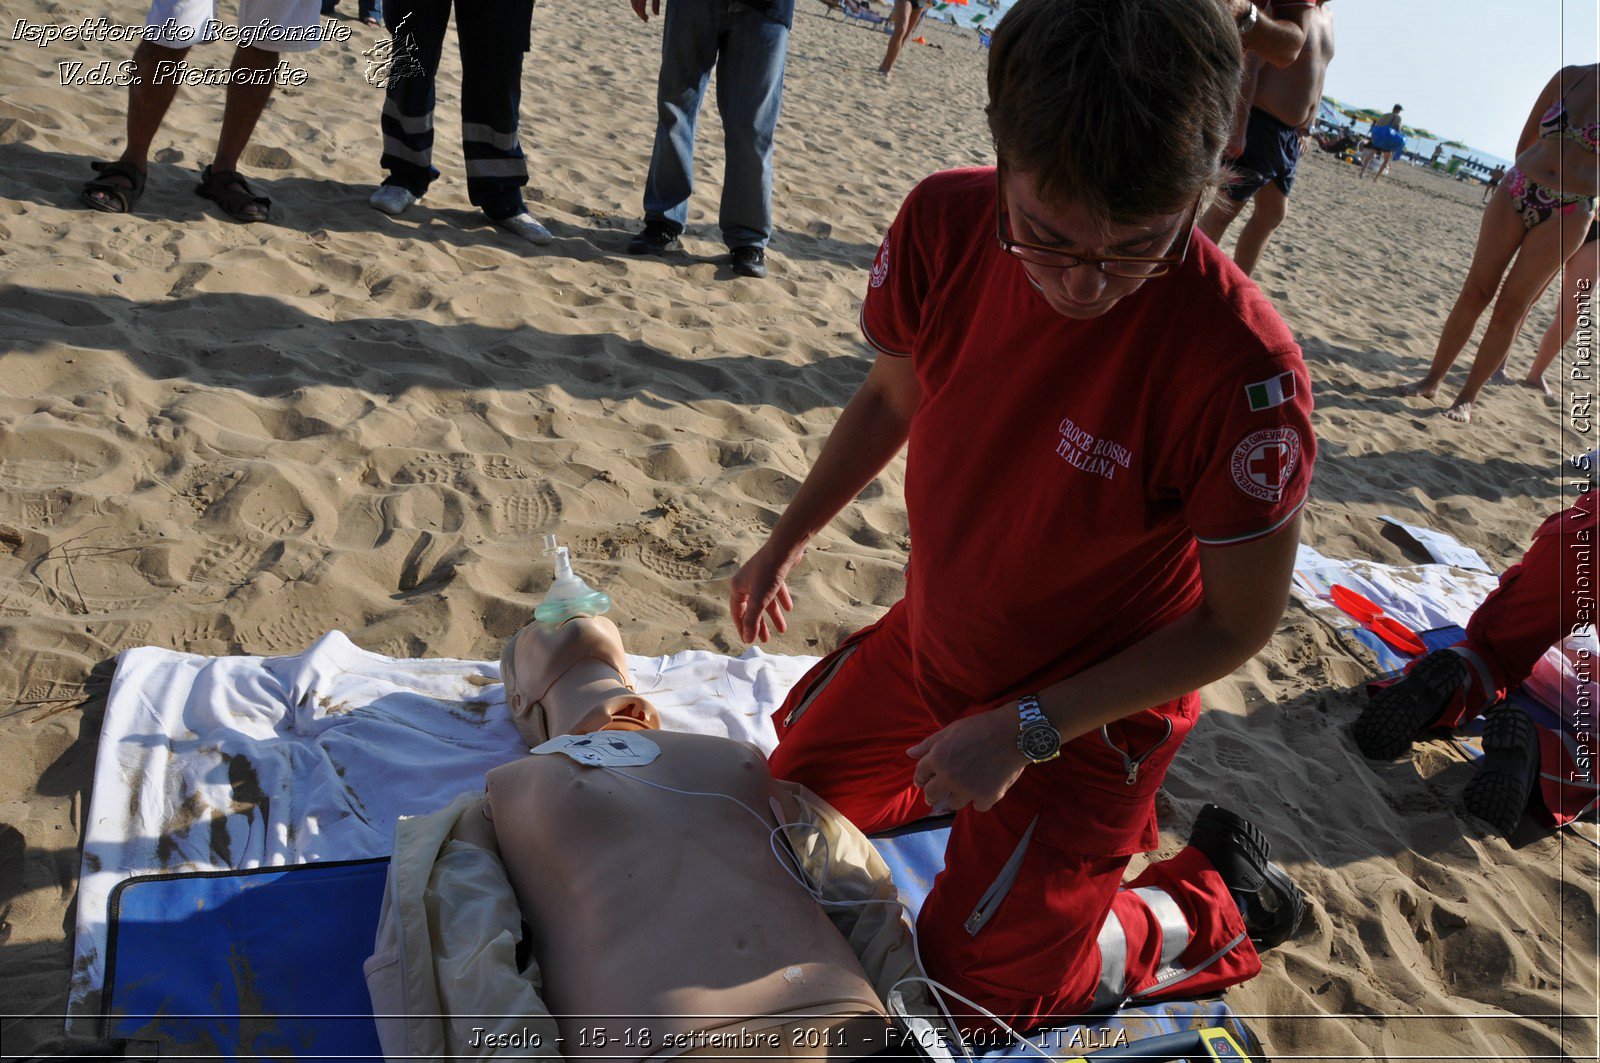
[{"x": 816, "y": 895}]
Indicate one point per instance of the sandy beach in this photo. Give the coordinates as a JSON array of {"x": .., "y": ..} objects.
[{"x": 232, "y": 439}]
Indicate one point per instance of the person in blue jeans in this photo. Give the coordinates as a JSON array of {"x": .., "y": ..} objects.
[
  {"x": 746, "y": 41},
  {"x": 370, "y": 12}
]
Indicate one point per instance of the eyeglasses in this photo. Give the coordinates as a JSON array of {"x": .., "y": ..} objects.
[{"x": 1136, "y": 267}]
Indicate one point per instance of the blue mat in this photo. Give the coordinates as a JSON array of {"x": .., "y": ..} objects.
[
  {"x": 262, "y": 963},
  {"x": 246, "y": 964}
]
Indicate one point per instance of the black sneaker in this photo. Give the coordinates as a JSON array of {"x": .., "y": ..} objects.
[
  {"x": 1267, "y": 898},
  {"x": 1407, "y": 707},
  {"x": 1499, "y": 792},
  {"x": 657, "y": 237},
  {"x": 750, "y": 261}
]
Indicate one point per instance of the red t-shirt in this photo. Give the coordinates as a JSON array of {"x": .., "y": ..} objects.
[{"x": 1060, "y": 472}]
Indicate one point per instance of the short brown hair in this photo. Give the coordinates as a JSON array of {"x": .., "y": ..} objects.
[{"x": 1123, "y": 106}]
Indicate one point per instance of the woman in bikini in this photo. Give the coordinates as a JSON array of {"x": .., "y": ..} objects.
[
  {"x": 1539, "y": 215},
  {"x": 907, "y": 15}
]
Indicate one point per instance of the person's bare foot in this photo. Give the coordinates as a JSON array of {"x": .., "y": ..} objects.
[
  {"x": 1499, "y": 377},
  {"x": 1461, "y": 411},
  {"x": 1424, "y": 389},
  {"x": 1537, "y": 383}
]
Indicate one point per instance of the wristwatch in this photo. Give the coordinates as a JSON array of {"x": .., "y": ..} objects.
[
  {"x": 1037, "y": 740},
  {"x": 1248, "y": 22}
]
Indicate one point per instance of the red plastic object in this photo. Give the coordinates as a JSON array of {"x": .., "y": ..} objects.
[
  {"x": 1359, "y": 606},
  {"x": 1371, "y": 614},
  {"x": 1397, "y": 635}
]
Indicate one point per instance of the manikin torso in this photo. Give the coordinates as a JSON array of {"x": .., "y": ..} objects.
[{"x": 656, "y": 914}]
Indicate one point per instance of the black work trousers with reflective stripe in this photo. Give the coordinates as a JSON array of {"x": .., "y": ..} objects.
[{"x": 494, "y": 36}]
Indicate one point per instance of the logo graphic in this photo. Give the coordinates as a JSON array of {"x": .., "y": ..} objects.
[
  {"x": 1264, "y": 461},
  {"x": 880, "y": 265},
  {"x": 394, "y": 59},
  {"x": 1265, "y": 394}
]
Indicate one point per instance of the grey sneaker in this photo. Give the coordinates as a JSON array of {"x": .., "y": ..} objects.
[
  {"x": 392, "y": 199},
  {"x": 527, "y": 227}
]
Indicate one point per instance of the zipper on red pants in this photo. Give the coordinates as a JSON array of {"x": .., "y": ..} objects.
[
  {"x": 1001, "y": 885},
  {"x": 1131, "y": 764}
]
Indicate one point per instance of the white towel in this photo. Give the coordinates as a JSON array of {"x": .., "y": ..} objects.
[{"x": 224, "y": 763}]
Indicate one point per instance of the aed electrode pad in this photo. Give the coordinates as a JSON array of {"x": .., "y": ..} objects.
[{"x": 604, "y": 749}]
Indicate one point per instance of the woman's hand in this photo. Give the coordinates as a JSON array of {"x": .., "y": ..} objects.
[
  {"x": 758, "y": 594},
  {"x": 973, "y": 761}
]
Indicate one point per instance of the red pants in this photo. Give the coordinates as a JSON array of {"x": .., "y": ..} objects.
[
  {"x": 1029, "y": 916},
  {"x": 1538, "y": 603}
]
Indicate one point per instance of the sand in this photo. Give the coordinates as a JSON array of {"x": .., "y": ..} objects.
[{"x": 230, "y": 439}]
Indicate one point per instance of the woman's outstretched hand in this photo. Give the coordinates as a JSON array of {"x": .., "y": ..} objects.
[{"x": 758, "y": 596}]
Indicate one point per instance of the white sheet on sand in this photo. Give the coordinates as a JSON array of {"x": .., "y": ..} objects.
[
  {"x": 1422, "y": 597},
  {"x": 224, "y": 763}
]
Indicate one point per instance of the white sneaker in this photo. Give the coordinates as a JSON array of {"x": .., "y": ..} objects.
[
  {"x": 391, "y": 199},
  {"x": 525, "y": 226}
]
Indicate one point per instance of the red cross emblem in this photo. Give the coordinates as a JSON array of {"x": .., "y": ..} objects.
[
  {"x": 880, "y": 265},
  {"x": 1264, "y": 461},
  {"x": 1266, "y": 464}
]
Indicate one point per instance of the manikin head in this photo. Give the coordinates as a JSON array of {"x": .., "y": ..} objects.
[
  {"x": 571, "y": 678},
  {"x": 1109, "y": 118}
]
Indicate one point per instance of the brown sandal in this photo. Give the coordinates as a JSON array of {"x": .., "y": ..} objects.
[
  {"x": 122, "y": 180},
  {"x": 230, "y": 191}
]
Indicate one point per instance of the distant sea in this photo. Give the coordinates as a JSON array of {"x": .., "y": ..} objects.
[{"x": 978, "y": 15}]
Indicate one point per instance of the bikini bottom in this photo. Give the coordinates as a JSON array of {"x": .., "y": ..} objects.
[{"x": 1535, "y": 203}]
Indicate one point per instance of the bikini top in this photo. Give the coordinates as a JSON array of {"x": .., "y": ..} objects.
[{"x": 1555, "y": 124}]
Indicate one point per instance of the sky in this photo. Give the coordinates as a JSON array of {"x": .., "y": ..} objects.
[{"x": 1468, "y": 70}]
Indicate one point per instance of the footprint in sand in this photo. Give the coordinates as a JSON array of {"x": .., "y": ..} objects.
[
  {"x": 45, "y": 455},
  {"x": 528, "y": 514}
]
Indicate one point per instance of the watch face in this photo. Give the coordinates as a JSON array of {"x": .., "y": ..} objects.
[{"x": 1040, "y": 743}]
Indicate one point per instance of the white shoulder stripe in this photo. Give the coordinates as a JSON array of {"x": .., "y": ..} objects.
[
  {"x": 873, "y": 341},
  {"x": 1263, "y": 533}
]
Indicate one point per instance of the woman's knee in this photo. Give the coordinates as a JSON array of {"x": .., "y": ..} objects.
[{"x": 1478, "y": 291}]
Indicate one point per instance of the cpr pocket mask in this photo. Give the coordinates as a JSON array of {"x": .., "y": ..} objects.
[{"x": 603, "y": 749}]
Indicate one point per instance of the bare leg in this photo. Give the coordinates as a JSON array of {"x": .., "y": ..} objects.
[
  {"x": 244, "y": 107},
  {"x": 903, "y": 20},
  {"x": 1499, "y": 236},
  {"x": 1271, "y": 207},
  {"x": 148, "y": 100},
  {"x": 1579, "y": 281},
  {"x": 1546, "y": 246},
  {"x": 1215, "y": 221}
]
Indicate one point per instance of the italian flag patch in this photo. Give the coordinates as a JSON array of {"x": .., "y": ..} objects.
[{"x": 1266, "y": 394}]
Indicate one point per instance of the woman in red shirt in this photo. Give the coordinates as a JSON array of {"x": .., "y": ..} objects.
[{"x": 1109, "y": 445}]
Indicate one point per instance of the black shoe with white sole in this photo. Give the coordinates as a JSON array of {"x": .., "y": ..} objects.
[
  {"x": 1267, "y": 898},
  {"x": 1404, "y": 709},
  {"x": 1499, "y": 792}
]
